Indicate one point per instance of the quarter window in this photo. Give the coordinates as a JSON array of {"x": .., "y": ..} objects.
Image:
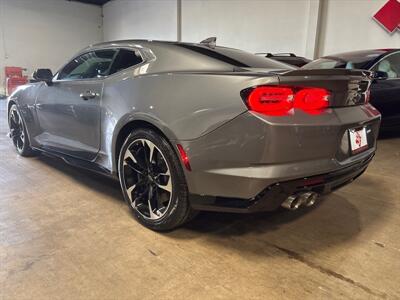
[
  {"x": 125, "y": 59},
  {"x": 95, "y": 64},
  {"x": 390, "y": 65}
]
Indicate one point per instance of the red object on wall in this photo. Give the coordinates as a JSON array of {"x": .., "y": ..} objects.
[
  {"x": 14, "y": 78},
  {"x": 13, "y": 71},
  {"x": 389, "y": 15}
]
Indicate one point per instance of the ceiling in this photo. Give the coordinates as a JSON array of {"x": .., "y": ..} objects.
[{"x": 96, "y": 2}]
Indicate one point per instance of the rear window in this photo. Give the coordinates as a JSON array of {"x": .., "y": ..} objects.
[
  {"x": 343, "y": 62},
  {"x": 237, "y": 58}
]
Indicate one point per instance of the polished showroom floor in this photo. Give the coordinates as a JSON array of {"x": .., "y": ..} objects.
[{"x": 67, "y": 234}]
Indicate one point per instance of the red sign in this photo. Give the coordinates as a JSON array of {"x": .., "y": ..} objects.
[{"x": 389, "y": 15}]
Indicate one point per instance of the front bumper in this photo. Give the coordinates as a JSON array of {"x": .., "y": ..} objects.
[{"x": 273, "y": 196}]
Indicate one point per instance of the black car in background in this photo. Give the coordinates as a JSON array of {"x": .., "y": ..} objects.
[
  {"x": 288, "y": 58},
  {"x": 385, "y": 89}
]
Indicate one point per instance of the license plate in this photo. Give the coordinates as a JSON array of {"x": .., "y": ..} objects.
[{"x": 358, "y": 140}]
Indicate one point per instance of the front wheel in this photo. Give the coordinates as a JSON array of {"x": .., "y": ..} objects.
[
  {"x": 18, "y": 132},
  {"x": 152, "y": 181}
]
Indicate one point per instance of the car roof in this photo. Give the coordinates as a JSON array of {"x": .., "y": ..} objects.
[
  {"x": 362, "y": 54},
  {"x": 366, "y": 57},
  {"x": 144, "y": 43},
  {"x": 365, "y": 52}
]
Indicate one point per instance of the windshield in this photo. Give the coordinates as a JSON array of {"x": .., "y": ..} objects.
[{"x": 342, "y": 62}]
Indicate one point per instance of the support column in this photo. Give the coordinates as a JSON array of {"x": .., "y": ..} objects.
[
  {"x": 314, "y": 28},
  {"x": 179, "y": 20}
]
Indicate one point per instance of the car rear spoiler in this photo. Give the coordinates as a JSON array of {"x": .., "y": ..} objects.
[{"x": 327, "y": 72}]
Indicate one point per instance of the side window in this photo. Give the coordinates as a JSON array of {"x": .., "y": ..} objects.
[
  {"x": 95, "y": 64},
  {"x": 125, "y": 59},
  {"x": 390, "y": 65}
]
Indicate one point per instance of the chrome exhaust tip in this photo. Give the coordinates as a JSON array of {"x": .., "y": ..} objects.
[
  {"x": 311, "y": 198},
  {"x": 293, "y": 202}
]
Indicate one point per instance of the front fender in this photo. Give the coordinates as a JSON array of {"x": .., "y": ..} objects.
[{"x": 25, "y": 97}]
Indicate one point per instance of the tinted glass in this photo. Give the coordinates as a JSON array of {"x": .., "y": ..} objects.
[
  {"x": 356, "y": 60},
  {"x": 125, "y": 59},
  {"x": 237, "y": 58},
  {"x": 390, "y": 65},
  {"x": 94, "y": 64}
]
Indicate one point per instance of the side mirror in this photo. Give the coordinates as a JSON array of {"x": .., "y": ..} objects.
[
  {"x": 380, "y": 75},
  {"x": 43, "y": 75}
]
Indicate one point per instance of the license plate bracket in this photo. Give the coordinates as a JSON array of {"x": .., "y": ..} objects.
[{"x": 358, "y": 140}]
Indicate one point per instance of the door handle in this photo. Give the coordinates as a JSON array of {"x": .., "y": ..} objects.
[{"x": 88, "y": 95}]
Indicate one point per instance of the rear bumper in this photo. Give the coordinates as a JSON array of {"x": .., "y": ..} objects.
[
  {"x": 251, "y": 152},
  {"x": 273, "y": 195}
]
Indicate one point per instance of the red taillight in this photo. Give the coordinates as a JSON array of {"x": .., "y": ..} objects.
[
  {"x": 310, "y": 99},
  {"x": 277, "y": 101},
  {"x": 271, "y": 100},
  {"x": 184, "y": 157}
]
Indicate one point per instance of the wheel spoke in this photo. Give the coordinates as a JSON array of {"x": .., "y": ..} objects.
[
  {"x": 141, "y": 156},
  {"x": 20, "y": 143},
  {"x": 15, "y": 117},
  {"x": 128, "y": 154},
  {"x": 151, "y": 149},
  {"x": 166, "y": 187},
  {"x": 151, "y": 212},
  {"x": 15, "y": 133},
  {"x": 167, "y": 173},
  {"x": 131, "y": 161},
  {"x": 129, "y": 192},
  {"x": 145, "y": 154},
  {"x": 134, "y": 167},
  {"x": 14, "y": 123}
]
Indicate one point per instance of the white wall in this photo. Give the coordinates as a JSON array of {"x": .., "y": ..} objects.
[
  {"x": 140, "y": 19},
  {"x": 45, "y": 33},
  {"x": 253, "y": 25},
  {"x": 348, "y": 25}
]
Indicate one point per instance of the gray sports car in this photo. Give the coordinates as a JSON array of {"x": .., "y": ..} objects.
[{"x": 188, "y": 127}]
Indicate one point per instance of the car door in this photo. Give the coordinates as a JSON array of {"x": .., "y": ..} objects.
[
  {"x": 385, "y": 93},
  {"x": 69, "y": 109}
]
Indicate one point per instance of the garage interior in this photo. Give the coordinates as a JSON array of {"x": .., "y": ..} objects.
[{"x": 66, "y": 233}]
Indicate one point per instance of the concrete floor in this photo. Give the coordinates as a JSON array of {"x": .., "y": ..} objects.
[{"x": 67, "y": 234}]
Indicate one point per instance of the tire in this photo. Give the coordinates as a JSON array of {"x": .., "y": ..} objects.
[
  {"x": 18, "y": 132},
  {"x": 149, "y": 168}
]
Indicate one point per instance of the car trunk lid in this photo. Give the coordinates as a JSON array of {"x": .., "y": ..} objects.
[{"x": 347, "y": 87}]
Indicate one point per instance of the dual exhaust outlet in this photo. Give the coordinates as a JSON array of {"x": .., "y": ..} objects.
[{"x": 295, "y": 201}]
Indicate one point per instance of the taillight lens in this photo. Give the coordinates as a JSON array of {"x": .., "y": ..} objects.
[
  {"x": 278, "y": 101},
  {"x": 310, "y": 99},
  {"x": 271, "y": 100}
]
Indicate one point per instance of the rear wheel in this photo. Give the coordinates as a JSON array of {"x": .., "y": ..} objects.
[
  {"x": 18, "y": 132},
  {"x": 152, "y": 181}
]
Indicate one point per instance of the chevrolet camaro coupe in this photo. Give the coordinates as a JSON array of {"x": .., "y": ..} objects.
[{"x": 188, "y": 127}]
